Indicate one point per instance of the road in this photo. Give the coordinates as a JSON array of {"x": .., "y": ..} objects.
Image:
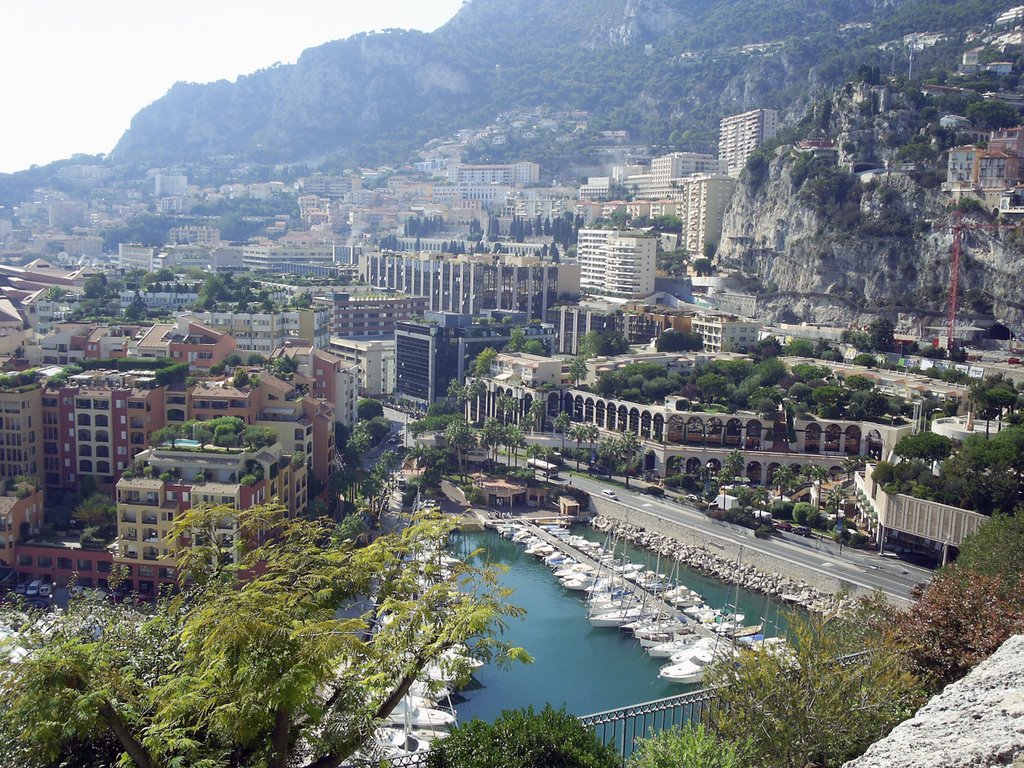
[{"x": 862, "y": 568}]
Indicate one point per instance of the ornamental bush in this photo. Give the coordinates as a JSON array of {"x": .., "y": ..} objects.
[{"x": 523, "y": 739}]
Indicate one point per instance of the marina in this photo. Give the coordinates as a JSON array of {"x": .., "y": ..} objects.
[{"x": 583, "y": 667}]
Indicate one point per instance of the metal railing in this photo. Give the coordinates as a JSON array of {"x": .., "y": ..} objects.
[
  {"x": 623, "y": 727},
  {"x": 620, "y": 728}
]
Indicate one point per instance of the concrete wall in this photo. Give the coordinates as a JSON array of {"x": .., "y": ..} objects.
[{"x": 818, "y": 579}]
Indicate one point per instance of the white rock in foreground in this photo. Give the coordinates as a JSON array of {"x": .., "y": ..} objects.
[{"x": 976, "y": 722}]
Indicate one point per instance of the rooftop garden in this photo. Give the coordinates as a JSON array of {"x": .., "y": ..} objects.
[
  {"x": 806, "y": 390},
  {"x": 227, "y": 432},
  {"x": 19, "y": 381}
]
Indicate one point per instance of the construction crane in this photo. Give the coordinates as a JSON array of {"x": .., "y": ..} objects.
[{"x": 958, "y": 226}]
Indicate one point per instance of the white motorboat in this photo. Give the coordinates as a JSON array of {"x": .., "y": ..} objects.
[
  {"x": 579, "y": 583},
  {"x": 666, "y": 650},
  {"x": 686, "y": 672},
  {"x": 616, "y": 618},
  {"x": 394, "y": 742},
  {"x": 410, "y": 714}
]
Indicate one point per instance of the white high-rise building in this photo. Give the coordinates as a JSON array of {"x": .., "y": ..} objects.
[
  {"x": 706, "y": 198},
  {"x": 616, "y": 263},
  {"x": 739, "y": 135}
]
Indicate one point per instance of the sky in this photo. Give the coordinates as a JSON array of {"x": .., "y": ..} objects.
[{"x": 76, "y": 71}]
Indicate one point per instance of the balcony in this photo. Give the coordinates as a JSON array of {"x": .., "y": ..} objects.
[{"x": 129, "y": 517}]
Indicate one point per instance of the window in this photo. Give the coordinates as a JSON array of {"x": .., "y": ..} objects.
[
  {"x": 85, "y": 466},
  {"x": 84, "y": 420},
  {"x": 102, "y": 421}
]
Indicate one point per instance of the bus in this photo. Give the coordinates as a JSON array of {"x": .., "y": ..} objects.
[{"x": 550, "y": 470}]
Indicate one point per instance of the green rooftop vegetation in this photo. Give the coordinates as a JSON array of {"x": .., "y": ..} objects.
[{"x": 228, "y": 432}]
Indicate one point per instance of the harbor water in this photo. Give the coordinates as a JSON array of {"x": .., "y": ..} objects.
[{"x": 583, "y": 668}]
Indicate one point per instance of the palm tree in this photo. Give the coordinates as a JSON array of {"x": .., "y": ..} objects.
[
  {"x": 783, "y": 479},
  {"x": 476, "y": 389},
  {"x": 732, "y": 467},
  {"x": 507, "y": 405},
  {"x": 579, "y": 433},
  {"x": 629, "y": 447},
  {"x": 492, "y": 435},
  {"x": 514, "y": 440},
  {"x": 535, "y": 414},
  {"x": 759, "y": 498},
  {"x": 816, "y": 474},
  {"x": 562, "y": 422},
  {"x": 592, "y": 434},
  {"x": 534, "y": 451},
  {"x": 460, "y": 438},
  {"x": 608, "y": 451},
  {"x": 835, "y": 499},
  {"x": 852, "y": 465},
  {"x": 417, "y": 453}
]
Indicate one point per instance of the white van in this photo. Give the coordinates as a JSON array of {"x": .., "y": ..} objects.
[{"x": 33, "y": 588}]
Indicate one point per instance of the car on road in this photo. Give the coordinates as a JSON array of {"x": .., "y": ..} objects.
[{"x": 609, "y": 494}]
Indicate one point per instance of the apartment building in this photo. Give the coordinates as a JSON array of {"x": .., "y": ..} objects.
[
  {"x": 263, "y": 332},
  {"x": 95, "y": 425},
  {"x": 616, "y": 263},
  {"x": 706, "y": 197},
  {"x": 194, "y": 235},
  {"x": 21, "y": 427},
  {"x": 739, "y": 135},
  {"x": 187, "y": 340},
  {"x": 371, "y": 315},
  {"x": 474, "y": 283},
  {"x": 329, "y": 377},
  {"x": 667, "y": 170},
  {"x": 575, "y": 321},
  {"x": 522, "y": 174},
  {"x": 374, "y": 360},
  {"x": 432, "y": 354},
  {"x": 726, "y": 333},
  {"x": 21, "y": 515},
  {"x": 172, "y": 480},
  {"x": 134, "y": 256},
  {"x": 531, "y": 370},
  {"x": 307, "y": 259}
]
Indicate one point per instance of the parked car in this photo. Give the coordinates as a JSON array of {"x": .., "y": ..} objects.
[
  {"x": 46, "y": 589},
  {"x": 802, "y": 530},
  {"x": 782, "y": 525},
  {"x": 33, "y": 588}
]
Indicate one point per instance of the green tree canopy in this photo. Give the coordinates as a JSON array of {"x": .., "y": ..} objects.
[{"x": 249, "y": 664}]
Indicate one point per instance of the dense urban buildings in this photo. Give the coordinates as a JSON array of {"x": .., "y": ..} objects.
[
  {"x": 616, "y": 263},
  {"x": 739, "y": 135}
]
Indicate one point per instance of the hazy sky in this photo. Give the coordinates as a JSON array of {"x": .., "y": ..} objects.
[{"x": 76, "y": 71}]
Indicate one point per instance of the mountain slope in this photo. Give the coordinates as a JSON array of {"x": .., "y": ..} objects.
[{"x": 653, "y": 66}]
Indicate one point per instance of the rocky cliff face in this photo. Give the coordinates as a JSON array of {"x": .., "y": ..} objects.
[{"x": 831, "y": 247}]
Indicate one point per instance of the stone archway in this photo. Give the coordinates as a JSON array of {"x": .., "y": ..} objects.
[
  {"x": 851, "y": 445},
  {"x": 733, "y": 433},
  {"x": 599, "y": 413},
  {"x": 659, "y": 427},
  {"x": 812, "y": 438},
  {"x": 753, "y": 441},
  {"x": 623, "y": 419},
  {"x": 715, "y": 431},
  {"x": 694, "y": 431},
  {"x": 754, "y": 471},
  {"x": 645, "y": 425},
  {"x": 714, "y": 466},
  {"x": 875, "y": 445},
  {"x": 770, "y": 474},
  {"x": 833, "y": 436},
  {"x": 693, "y": 466},
  {"x": 676, "y": 429},
  {"x": 588, "y": 410}
]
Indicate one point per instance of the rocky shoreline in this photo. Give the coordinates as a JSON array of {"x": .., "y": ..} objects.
[{"x": 797, "y": 593}]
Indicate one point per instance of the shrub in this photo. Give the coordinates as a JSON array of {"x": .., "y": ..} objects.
[
  {"x": 654, "y": 490},
  {"x": 523, "y": 739},
  {"x": 693, "y": 747},
  {"x": 764, "y": 532}
]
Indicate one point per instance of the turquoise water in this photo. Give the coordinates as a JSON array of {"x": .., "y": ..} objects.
[
  {"x": 187, "y": 443},
  {"x": 583, "y": 668}
]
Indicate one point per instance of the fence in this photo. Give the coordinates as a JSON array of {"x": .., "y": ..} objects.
[{"x": 620, "y": 728}]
